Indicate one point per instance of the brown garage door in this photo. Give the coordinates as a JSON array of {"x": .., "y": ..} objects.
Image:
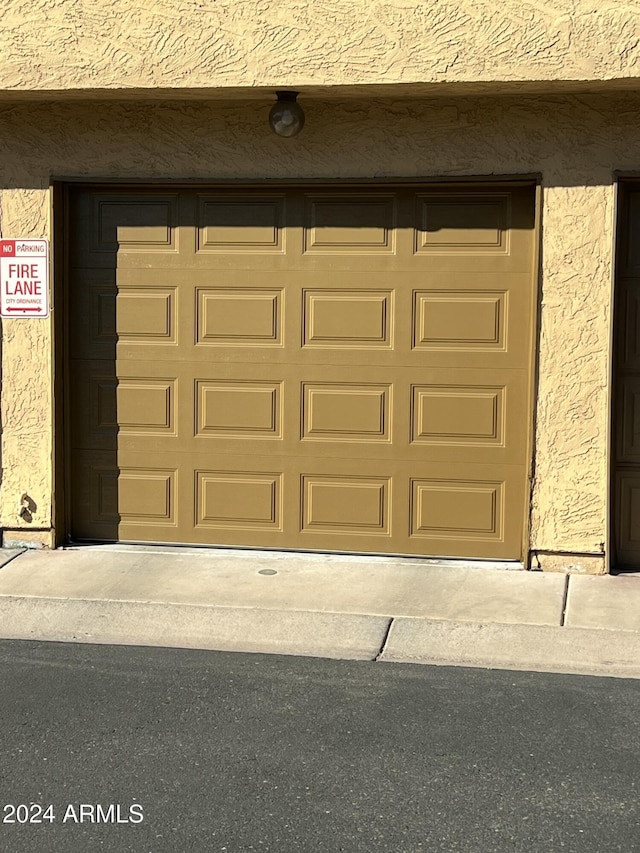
[
  {"x": 341, "y": 368},
  {"x": 626, "y": 432}
]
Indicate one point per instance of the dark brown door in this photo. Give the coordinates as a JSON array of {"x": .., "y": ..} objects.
[{"x": 626, "y": 408}]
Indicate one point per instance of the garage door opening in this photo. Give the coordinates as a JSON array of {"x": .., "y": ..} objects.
[
  {"x": 625, "y": 467},
  {"x": 325, "y": 368}
]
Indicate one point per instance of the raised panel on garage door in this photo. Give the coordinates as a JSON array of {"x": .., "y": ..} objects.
[{"x": 335, "y": 368}]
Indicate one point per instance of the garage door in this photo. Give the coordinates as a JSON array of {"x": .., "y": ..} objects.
[
  {"x": 626, "y": 460},
  {"x": 331, "y": 368}
]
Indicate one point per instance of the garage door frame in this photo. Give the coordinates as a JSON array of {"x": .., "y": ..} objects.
[{"x": 61, "y": 232}]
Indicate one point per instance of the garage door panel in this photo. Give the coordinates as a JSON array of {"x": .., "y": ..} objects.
[
  {"x": 243, "y": 223},
  {"x": 400, "y": 508},
  {"x": 346, "y": 411},
  {"x": 459, "y": 223},
  {"x": 240, "y": 500},
  {"x": 333, "y": 369},
  {"x": 462, "y": 509},
  {"x": 106, "y": 497},
  {"x": 147, "y": 496},
  {"x": 115, "y": 228},
  {"x": 92, "y": 327},
  {"x": 460, "y": 320},
  {"x": 627, "y": 522},
  {"x": 147, "y": 315},
  {"x": 471, "y": 234},
  {"x": 366, "y": 505},
  {"x": 131, "y": 224},
  {"x": 94, "y": 495},
  {"x": 465, "y": 321},
  {"x": 93, "y": 387},
  {"x": 113, "y": 404},
  {"x": 239, "y": 317},
  {"x": 346, "y": 505},
  {"x": 363, "y": 411},
  {"x": 628, "y": 419},
  {"x": 629, "y": 249},
  {"x": 465, "y": 504},
  {"x": 145, "y": 406},
  {"x": 350, "y": 223},
  {"x": 468, "y": 422},
  {"x": 628, "y": 338},
  {"x": 339, "y": 318},
  {"x": 446, "y": 327},
  {"x": 247, "y": 408}
]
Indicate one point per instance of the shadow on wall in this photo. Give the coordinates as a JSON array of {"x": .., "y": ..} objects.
[{"x": 572, "y": 140}]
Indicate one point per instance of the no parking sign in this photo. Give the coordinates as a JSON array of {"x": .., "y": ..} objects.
[{"x": 24, "y": 277}]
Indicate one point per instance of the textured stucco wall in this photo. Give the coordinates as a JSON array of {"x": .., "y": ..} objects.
[
  {"x": 25, "y": 413},
  {"x": 182, "y": 44},
  {"x": 575, "y": 143}
]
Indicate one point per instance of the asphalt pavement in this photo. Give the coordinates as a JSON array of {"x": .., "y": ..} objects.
[{"x": 175, "y": 750}]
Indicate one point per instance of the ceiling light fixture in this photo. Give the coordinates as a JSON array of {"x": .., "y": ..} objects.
[{"x": 287, "y": 116}]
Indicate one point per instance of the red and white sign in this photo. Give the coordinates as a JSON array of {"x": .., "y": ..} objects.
[{"x": 24, "y": 277}]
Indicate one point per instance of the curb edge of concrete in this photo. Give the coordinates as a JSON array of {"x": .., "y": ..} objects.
[
  {"x": 489, "y": 645},
  {"x": 295, "y": 632},
  {"x": 536, "y": 648}
]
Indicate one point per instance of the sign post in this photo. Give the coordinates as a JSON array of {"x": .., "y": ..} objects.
[{"x": 24, "y": 278}]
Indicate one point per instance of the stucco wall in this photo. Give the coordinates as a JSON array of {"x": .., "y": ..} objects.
[
  {"x": 191, "y": 44},
  {"x": 575, "y": 143}
]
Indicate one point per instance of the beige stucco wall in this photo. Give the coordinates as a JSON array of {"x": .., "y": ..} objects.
[
  {"x": 574, "y": 142},
  {"x": 210, "y": 44}
]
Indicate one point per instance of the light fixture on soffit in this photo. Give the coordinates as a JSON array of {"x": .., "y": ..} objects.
[{"x": 286, "y": 117}]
